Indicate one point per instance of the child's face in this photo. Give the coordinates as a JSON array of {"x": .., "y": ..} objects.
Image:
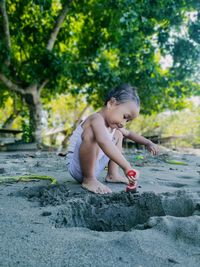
[{"x": 119, "y": 114}]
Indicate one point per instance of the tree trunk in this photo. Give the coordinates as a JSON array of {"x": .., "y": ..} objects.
[{"x": 32, "y": 99}]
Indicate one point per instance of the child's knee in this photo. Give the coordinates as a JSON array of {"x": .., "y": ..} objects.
[
  {"x": 89, "y": 141},
  {"x": 88, "y": 136}
]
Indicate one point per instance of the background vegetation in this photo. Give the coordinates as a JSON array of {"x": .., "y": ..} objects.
[{"x": 60, "y": 57}]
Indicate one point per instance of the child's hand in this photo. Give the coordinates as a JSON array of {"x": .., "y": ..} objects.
[
  {"x": 132, "y": 175},
  {"x": 152, "y": 148}
]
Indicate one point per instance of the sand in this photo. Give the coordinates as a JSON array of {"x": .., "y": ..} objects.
[{"x": 63, "y": 225}]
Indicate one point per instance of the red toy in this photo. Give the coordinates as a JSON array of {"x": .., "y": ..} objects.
[{"x": 131, "y": 187}]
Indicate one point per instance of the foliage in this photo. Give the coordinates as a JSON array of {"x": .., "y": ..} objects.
[
  {"x": 26, "y": 136},
  {"x": 124, "y": 38},
  {"x": 102, "y": 44},
  {"x": 6, "y": 110},
  {"x": 184, "y": 124},
  {"x": 64, "y": 112}
]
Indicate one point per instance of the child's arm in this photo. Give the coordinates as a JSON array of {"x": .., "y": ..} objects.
[
  {"x": 151, "y": 147},
  {"x": 101, "y": 137}
]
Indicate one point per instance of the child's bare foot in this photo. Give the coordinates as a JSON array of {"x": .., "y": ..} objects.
[
  {"x": 116, "y": 178},
  {"x": 95, "y": 186}
]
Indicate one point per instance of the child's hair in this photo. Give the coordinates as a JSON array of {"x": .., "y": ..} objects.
[{"x": 124, "y": 93}]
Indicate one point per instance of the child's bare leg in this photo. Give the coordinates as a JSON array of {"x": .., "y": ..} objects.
[
  {"x": 113, "y": 175},
  {"x": 89, "y": 150}
]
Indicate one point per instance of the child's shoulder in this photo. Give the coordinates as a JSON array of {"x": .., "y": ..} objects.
[{"x": 92, "y": 119}]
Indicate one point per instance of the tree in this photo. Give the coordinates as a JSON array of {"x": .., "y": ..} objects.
[
  {"x": 88, "y": 47},
  {"x": 16, "y": 57},
  {"x": 128, "y": 47}
]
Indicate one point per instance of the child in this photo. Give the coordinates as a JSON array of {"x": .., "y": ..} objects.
[{"x": 97, "y": 142}]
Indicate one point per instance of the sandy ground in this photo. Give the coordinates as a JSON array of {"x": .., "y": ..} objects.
[{"x": 63, "y": 225}]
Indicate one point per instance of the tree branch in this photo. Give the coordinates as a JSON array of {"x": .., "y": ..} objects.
[
  {"x": 6, "y": 28},
  {"x": 57, "y": 27},
  {"x": 53, "y": 36},
  {"x": 9, "y": 121},
  {"x": 43, "y": 85},
  {"x": 10, "y": 85}
]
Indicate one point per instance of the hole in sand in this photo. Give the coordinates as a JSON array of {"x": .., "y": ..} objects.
[
  {"x": 115, "y": 212},
  {"x": 119, "y": 212}
]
